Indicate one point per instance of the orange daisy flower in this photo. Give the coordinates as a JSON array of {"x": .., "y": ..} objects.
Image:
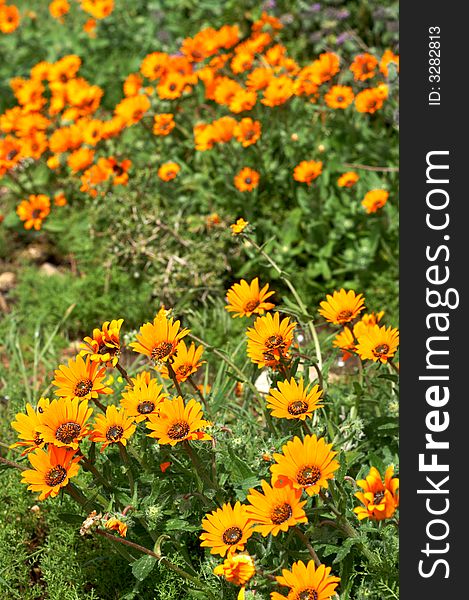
[
  {"x": 246, "y": 180},
  {"x": 176, "y": 422},
  {"x": 159, "y": 339},
  {"x": 116, "y": 426},
  {"x": 275, "y": 509},
  {"x": 342, "y": 307},
  {"x": 305, "y": 464},
  {"x": 143, "y": 399},
  {"x": 245, "y": 299},
  {"x": 34, "y": 210},
  {"x": 247, "y": 132},
  {"x": 292, "y": 401},
  {"x": 81, "y": 380},
  {"x": 237, "y": 569},
  {"x": 163, "y": 124},
  {"x": 364, "y": 66},
  {"x": 369, "y": 101},
  {"x": 51, "y": 471},
  {"x": 380, "y": 499},
  {"x": 171, "y": 86},
  {"x": 27, "y": 426},
  {"x": 168, "y": 171},
  {"x": 269, "y": 340},
  {"x": 348, "y": 179},
  {"x": 186, "y": 362},
  {"x": 9, "y": 18},
  {"x": 132, "y": 110},
  {"x": 104, "y": 345},
  {"x": 307, "y": 581},
  {"x": 64, "y": 422},
  {"x": 226, "y": 530},
  {"x": 378, "y": 344},
  {"x": 388, "y": 58},
  {"x": 115, "y": 524},
  {"x": 307, "y": 171},
  {"x": 374, "y": 200},
  {"x": 346, "y": 342},
  {"x": 155, "y": 65},
  {"x": 339, "y": 96},
  {"x": 239, "y": 226}
]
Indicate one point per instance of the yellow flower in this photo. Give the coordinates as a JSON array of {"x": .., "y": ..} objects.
[
  {"x": 378, "y": 343},
  {"x": 64, "y": 422},
  {"x": 176, "y": 422},
  {"x": 269, "y": 340},
  {"x": 51, "y": 470},
  {"x": 342, "y": 307},
  {"x": 307, "y": 582},
  {"x": 276, "y": 509},
  {"x": 374, "y": 200},
  {"x": 237, "y": 569},
  {"x": 143, "y": 399},
  {"x": 186, "y": 362},
  {"x": 80, "y": 379},
  {"x": 292, "y": 401},
  {"x": 104, "y": 345},
  {"x": 116, "y": 426},
  {"x": 27, "y": 426},
  {"x": 226, "y": 530},
  {"x": 159, "y": 339},
  {"x": 239, "y": 226},
  {"x": 305, "y": 465},
  {"x": 245, "y": 299}
]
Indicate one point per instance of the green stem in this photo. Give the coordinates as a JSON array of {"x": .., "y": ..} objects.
[
  {"x": 167, "y": 563},
  {"x": 307, "y": 543},
  {"x": 295, "y": 294},
  {"x": 126, "y": 460},
  {"x": 124, "y": 374},
  {"x": 172, "y": 374}
]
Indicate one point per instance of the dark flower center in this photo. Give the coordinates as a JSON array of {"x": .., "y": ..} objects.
[
  {"x": 281, "y": 513},
  {"x": 344, "y": 315},
  {"x": 83, "y": 387},
  {"x": 118, "y": 170},
  {"x": 114, "y": 433},
  {"x": 232, "y": 536},
  {"x": 378, "y": 497},
  {"x": 184, "y": 370},
  {"x": 36, "y": 213},
  {"x": 179, "y": 430},
  {"x": 172, "y": 87},
  {"x": 275, "y": 342},
  {"x": 67, "y": 432},
  {"x": 162, "y": 350},
  {"x": 38, "y": 439},
  {"x": 146, "y": 407},
  {"x": 298, "y": 407},
  {"x": 308, "y": 594},
  {"x": 381, "y": 349},
  {"x": 248, "y": 180},
  {"x": 308, "y": 475},
  {"x": 340, "y": 98},
  {"x": 56, "y": 476},
  {"x": 251, "y": 305}
]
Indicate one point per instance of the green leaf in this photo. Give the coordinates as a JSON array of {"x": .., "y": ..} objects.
[
  {"x": 71, "y": 518},
  {"x": 142, "y": 567}
]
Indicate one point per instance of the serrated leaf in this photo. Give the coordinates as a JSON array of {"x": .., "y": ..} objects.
[{"x": 142, "y": 567}]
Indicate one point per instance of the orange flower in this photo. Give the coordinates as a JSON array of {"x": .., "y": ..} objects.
[
  {"x": 115, "y": 427},
  {"x": 342, "y": 307},
  {"x": 259, "y": 78},
  {"x": 119, "y": 170},
  {"x": 239, "y": 226},
  {"x": 307, "y": 171},
  {"x": 89, "y": 27},
  {"x": 363, "y": 66},
  {"x": 9, "y": 18},
  {"x": 387, "y": 58},
  {"x": 247, "y": 131},
  {"x": 348, "y": 179},
  {"x": 374, "y": 200},
  {"x": 177, "y": 422},
  {"x": 59, "y": 8},
  {"x": 324, "y": 68},
  {"x": 171, "y": 86},
  {"x": 104, "y": 346},
  {"x": 186, "y": 362},
  {"x": 246, "y": 180},
  {"x": 380, "y": 499},
  {"x": 339, "y": 96},
  {"x": 80, "y": 379},
  {"x": 34, "y": 211},
  {"x": 163, "y": 123},
  {"x": 243, "y": 101},
  {"x": 225, "y": 90},
  {"x": 226, "y": 529},
  {"x": 269, "y": 340},
  {"x": 59, "y": 199},
  {"x": 159, "y": 339},
  {"x": 237, "y": 569},
  {"x": 241, "y": 62},
  {"x": 346, "y": 342},
  {"x": 155, "y": 65},
  {"x": 115, "y": 524},
  {"x": 132, "y": 85},
  {"x": 132, "y": 109},
  {"x": 80, "y": 159},
  {"x": 99, "y": 9},
  {"x": 246, "y": 299},
  {"x": 278, "y": 91},
  {"x": 168, "y": 171},
  {"x": 369, "y": 100},
  {"x": 51, "y": 471}
]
